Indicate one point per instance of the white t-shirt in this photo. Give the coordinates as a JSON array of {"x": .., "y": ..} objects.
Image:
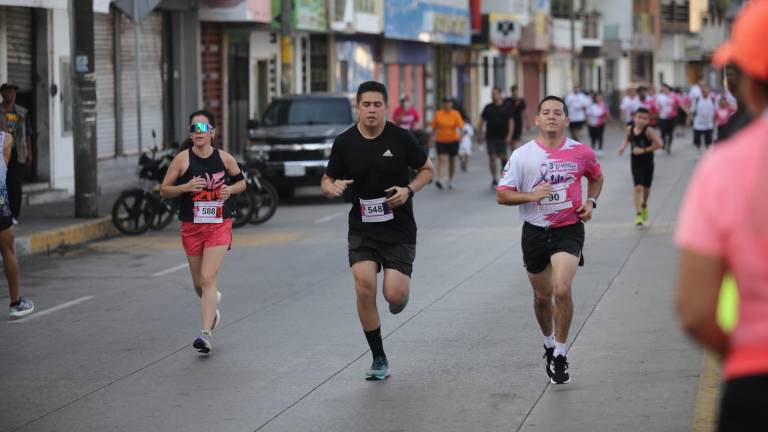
[
  {"x": 629, "y": 105},
  {"x": 563, "y": 168},
  {"x": 694, "y": 92},
  {"x": 577, "y": 106},
  {"x": 704, "y": 109},
  {"x": 596, "y": 114},
  {"x": 466, "y": 140}
]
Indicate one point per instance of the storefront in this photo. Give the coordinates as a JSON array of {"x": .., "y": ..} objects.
[
  {"x": 240, "y": 66},
  {"x": 445, "y": 23}
]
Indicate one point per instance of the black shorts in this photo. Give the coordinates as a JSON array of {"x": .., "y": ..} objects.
[
  {"x": 496, "y": 146},
  {"x": 396, "y": 256},
  {"x": 742, "y": 405},
  {"x": 5, "y": 222},
  {"x": 642, "y": 172},
  {"x": 699, "y": 134},
  {"x": 576, "y": 126},
  {"x": 451, "y": 149},
  {"x": 539, "y": 244}
]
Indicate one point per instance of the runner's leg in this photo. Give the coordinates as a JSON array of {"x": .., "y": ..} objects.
[
  {"x": 195, "y": 262},
  {"x": 209, "y": 269},
  {"x": 639, "y": 194},
  {"x": 364, "y": 273},
  {"x": 442, "y": 161},
  {"x": 451, "y": 168},
  {"x": 543, "y": 289},
  {"x": 10, "y": 263},
  {"x": 564, "y": 267},
  {"x": 396, "y": 286},
  {"x": 646, "y": 195}
]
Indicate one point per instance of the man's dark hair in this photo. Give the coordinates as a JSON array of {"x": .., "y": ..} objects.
[
  {"x": 554, "y": 98},
  {"x": 372, "y": 86},
  {"x": 207, "y": 114},
  {"x": 642, "y": 110},
  {"x": 513, "y": 88},
  {"x": 496, "y": 88}
]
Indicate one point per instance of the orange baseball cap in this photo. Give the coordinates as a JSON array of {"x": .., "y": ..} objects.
[{"x": 747, "y": 48}]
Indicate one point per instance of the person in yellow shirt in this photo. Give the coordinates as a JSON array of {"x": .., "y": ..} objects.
[{"x": 447, "y": 127}]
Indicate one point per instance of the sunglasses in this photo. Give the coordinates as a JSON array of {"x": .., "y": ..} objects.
[{"x": 200, "y": 128}]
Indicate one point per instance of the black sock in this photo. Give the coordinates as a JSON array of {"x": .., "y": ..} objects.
[
  {"x": 374, "y": 342},
  {"x": 16, "y": 303}
]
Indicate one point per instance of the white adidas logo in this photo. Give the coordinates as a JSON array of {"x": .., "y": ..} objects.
[{"x": 388, "y": 154}]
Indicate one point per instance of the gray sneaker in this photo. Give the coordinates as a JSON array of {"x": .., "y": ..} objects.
[
  {"x": 396, "y": 309},
  {"x": 379, "y": 369},
  {"x": 202, "y": 343},
  {"x": 25, "y": 307}
]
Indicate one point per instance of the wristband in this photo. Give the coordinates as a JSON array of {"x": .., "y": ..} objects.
[{"x": 410, "y": 191}]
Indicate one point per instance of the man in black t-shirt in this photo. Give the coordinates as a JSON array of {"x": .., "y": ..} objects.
[
  {"x": 498, "y": 123},
  {"x": 373, "y": 159},
  {"x": 516, "y": 105}
]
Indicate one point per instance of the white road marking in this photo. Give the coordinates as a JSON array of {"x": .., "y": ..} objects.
[
  {"x": 328, "y": 218},
  {"x": 171, "y": 270},
  {"x": 37, "y": 314}
]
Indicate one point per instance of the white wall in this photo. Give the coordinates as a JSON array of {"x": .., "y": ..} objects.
[
  {"x": 62, "y": 151},
  {"x": 618, "y": 13},
  {"x": 261, "y": 48},
  {"x": 622, "y": 80},
  {"x": 559, "y": 80}
]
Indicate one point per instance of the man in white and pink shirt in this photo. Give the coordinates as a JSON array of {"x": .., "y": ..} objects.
[
  {"x": 543, "y": 178},
  {"x": 667, "y": 103}
]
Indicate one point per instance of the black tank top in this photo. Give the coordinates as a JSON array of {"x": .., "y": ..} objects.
[
  {"x": 640, "y": 141},
  {"x": 213, "y": 171}
]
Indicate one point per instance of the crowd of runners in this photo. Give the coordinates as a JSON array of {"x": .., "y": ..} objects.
[{"x": 382, "y": 166}]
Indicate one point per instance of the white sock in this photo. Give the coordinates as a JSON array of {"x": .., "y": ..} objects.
[
  {"x": 549, "y": 341},
  {"x": 560, "y": 349}
]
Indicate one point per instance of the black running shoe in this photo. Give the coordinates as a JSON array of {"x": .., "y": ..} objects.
[
  {"x": 560, "y": 370},
  {"x": 549, "y": 355}
]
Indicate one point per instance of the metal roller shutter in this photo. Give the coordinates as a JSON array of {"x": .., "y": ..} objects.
[
  {"x": 151, "y": 47},
  {"x": 105, "y": 85},
  {"x": 18, "y": 22}
]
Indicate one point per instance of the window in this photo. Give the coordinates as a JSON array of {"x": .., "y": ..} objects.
[{"x": 308, "y": 112}]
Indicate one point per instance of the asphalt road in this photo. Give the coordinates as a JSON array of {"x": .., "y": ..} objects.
[{"x": 110, "y": 345}]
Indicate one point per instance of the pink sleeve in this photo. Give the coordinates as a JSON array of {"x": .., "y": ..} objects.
[
  {"x": 593, "y": 169},
  {"x": 698, "y": 225}
]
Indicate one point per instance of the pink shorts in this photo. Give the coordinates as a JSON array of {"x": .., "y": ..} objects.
[{"x": 197, "y": 237}]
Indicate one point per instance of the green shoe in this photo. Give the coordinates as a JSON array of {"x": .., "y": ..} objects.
[
  {"x": 639, "y": 219},
  {"x": 379, "y": 369},
  {"x": 644, "y": 213}
]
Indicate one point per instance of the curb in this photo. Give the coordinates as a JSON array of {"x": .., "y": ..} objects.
[{"x": 49, "y": 241}]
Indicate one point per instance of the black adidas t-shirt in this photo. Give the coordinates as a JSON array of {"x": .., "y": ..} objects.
[{"x": 376, "y": 165}]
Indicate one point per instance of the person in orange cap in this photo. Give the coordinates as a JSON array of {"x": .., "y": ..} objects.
[{"x": 723, "y": 228}]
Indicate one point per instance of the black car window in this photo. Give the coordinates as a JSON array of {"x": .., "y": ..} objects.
[{"x": 308, "y": 112}]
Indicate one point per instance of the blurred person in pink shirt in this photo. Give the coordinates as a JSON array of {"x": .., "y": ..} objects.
[
  {"x": 406, "y": 115},
  {"x": 723, "y": 227}
]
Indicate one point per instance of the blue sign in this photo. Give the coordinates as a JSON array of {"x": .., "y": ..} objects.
[{"x": 428, "y": 22}]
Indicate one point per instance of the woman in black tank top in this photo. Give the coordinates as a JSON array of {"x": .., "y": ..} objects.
[
  {"x": 643, "y": 141},
  {"x": 204, "y": 178}
]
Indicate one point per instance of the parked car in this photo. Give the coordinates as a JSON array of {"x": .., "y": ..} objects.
[{"x": 292, "y": 143}]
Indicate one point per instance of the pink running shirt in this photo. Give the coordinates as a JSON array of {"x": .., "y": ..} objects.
[
  {"x": 725, "y": 215},
  {"x": 563, "y": 168}
]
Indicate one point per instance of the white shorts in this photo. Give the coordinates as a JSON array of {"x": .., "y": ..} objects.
[{"x": 465, "y": 147}]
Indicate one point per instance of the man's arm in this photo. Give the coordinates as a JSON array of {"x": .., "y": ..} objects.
[
  {"x": 513, "y": 197},
  {"x": 654, "y": 137},
  {"x": 510, "y": 130},
  {"x": 698, "y": 288},
  {"x": 594, "y": 187},
  {"x": 7, "y": 144}
]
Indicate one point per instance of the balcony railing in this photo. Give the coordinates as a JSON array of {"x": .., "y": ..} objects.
[{"x": 674, "y": 17}]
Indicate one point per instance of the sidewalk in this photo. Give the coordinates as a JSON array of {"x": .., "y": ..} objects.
[{"x": 46, "y": 228}]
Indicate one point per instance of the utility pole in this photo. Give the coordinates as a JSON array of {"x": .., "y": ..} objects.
[
  {"x": 286, "y": 45},
  {"x": 136, "y": 32},
  {"x": 84, "y": 108},
  {"x": 573, "y": 43}
]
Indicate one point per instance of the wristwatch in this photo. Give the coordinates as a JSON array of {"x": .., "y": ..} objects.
[
  {"x": 593, "y": 201},
  {"x": 410, "y": 191}
]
